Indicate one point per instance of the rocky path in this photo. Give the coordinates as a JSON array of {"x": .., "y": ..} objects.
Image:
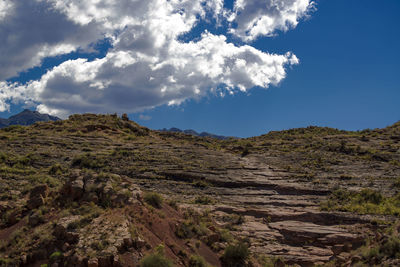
[{"x": 282, "y": 216}]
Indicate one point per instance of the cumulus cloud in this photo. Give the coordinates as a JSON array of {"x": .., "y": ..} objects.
[
  {"x": 255, "y": 18},
  {"x": 147, "y": 65}
]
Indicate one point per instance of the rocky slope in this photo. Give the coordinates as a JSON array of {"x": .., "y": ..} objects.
[{"x": 77, "y": 192}]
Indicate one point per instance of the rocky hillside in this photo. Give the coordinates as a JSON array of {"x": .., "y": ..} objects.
[
  {"x": 98, "y": 190},
  {"x": 26, "y": 117}
]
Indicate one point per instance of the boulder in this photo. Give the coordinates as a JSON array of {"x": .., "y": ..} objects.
[
  {"x": 77, "y": 188},
  {"x": 35, "y": 219},
  {"x": 93, "y": 262},
  {"x": 212, "y": 238},
  {"x": 37, "y": 196},
  {"x": 106, "y": 261},
  {"x": 139, "y": 243},
  {"x": 61, "y": 230}
]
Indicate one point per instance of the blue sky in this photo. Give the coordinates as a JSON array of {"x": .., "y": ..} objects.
[{"x": 348, "y": 76}]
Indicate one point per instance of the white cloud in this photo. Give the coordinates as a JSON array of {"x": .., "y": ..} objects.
[
  {"x": 146, "y": 67},
  {"x": 255, "y": 18},
  {"x": 35, "y": 30},
  {"x": 6, "y": 8},
  {"x": 144, "y": 117}
]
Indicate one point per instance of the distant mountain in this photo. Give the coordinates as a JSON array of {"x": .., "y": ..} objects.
[
  {"x": 26, "y": 117},
  {"x": 193, "y": 132}
]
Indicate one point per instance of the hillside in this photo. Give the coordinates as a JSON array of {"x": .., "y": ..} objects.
[{"x": 99, "y": 190}]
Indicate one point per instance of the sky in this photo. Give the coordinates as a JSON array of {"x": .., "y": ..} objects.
[{"x": 238, "y": 68}]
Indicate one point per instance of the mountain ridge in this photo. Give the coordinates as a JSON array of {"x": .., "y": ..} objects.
[
  {"x": 195, "y": 133},
  {"x": 26, "y": 117}
]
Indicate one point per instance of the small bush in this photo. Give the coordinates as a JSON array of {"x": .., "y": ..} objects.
[
  {"x": 235, "y": 255},
  {"x": 156, "y": 259},
  {"x": 201, "y": 184},
  {"x": 174, "y": 204},
  {"x": 189, "y": 229},
  {"x": 197, "y": 261},
  {"x": 153, "y": 199},
  {"x": 371, "y": 196},
  {"x": 366, "y": 201},
  {"x": 56, "y": 169},
  {"x": 56, "y": 256},
  {"x": 391, "y": 248},
  {"x": 204, "y": 200},
  {"x": 88, "y": 161}
]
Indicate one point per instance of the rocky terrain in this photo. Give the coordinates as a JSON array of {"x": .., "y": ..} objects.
[{"x": 99, "y": 190}]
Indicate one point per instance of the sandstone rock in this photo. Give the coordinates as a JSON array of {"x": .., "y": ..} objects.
[
  {"x": 117, "y": 262},
  {"x": 37, "y": 196},
  {"x": 24, "y": 259},
  {"x": 93, "y": 262},
  {"x": 4, "y": 206},
  {"x": 128, "y": 242},
  {"x": 77, "y": 188},
  {"x": 40, "y": 254},
  {"x": 35, "y": 219},
  {"x": 212, "y": 238},
  {"x": 139, "y": 243},
  {"x": 337, "y": 249},
  {"x": 343, "y": 257},
  {"x": 296, "y": 232},
  {"x": 61, "y": 229},
  {"x": 355, "y": 259},
  {"x": 279, "y": 263},
  {"x": 76, "y": 260},
  {"x": 13, "y": 217},
  {"x": 66, "y": 247},
  {"x": 72, "y": 237},
  {"x": 106, "y": 261}
]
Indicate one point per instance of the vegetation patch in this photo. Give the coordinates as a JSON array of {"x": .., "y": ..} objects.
[
  {"x": 156, "y": 259},
  {"x": 88, "y": 161},
  {"x": 197, "y": 261},
  {"x": 366, "y": 201},
  {"x": 153, "y": 199},
  {"x": 235, "y": 255}
]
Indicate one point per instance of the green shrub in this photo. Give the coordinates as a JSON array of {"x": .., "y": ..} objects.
[
  {"x": 174, "y": 204},
  {"x": 156, "y": 259},
  {"x": 391, "y": 248},
  {"x": 197, "y": 261},
  {"x": 56, "y": 256},
  {"x": 371, "y": 196},
  {"x": 271, "y": 261},
  {"x": 88, "y": 161},
  {"x": 367, "y": 201},
  {"x": 3, "y": 157},
  {"x": 235, "y": 255},
  {"x": 56, "y": 169},
  {"x": 189, "y": 229},
  {"x": 153, "y": 199},
  {"x": 204, "y": 200},
  {"x": 201, "y": 184}
]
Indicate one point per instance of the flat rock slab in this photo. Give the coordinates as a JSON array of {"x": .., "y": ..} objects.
[{"x": 299, "y": 233}]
